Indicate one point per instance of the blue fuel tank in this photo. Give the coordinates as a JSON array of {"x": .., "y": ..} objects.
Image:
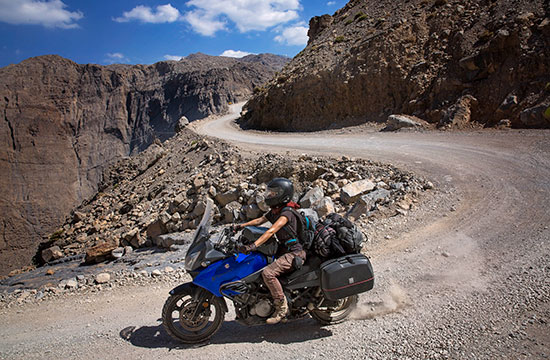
[{"x": 233, "y": 268}]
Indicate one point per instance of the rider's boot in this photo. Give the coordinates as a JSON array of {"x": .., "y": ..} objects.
[{"x": 281, "y": 309}]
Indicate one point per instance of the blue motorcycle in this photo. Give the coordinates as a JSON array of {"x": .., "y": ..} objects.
[{"x": 324, "y": 289}]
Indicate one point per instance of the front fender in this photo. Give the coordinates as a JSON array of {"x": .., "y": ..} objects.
[{"x": 197, "y": 293}]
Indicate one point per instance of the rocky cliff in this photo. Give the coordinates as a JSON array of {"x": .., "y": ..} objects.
[
  {"x": 446, "y": 61},
  {"x": 63, "y": 123}
]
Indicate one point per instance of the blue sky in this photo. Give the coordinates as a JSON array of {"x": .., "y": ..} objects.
[{"x": 147, "y": 31}]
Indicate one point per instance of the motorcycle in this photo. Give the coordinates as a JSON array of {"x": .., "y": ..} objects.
[{"x": 195, "y": 311}]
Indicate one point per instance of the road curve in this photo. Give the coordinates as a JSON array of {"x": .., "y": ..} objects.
[
  {"x": 497, "y": 229},
  {"x": 466, "y": 275}
]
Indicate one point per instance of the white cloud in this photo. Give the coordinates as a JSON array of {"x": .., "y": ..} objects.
[
  {"x": 173, "y": 57},
  {"x": 163, "y": 14},
  {"x": 293, "y": 35},
  {"x": 209, "y": 16},
  {"x": 50, "y": 13},
  {"x": 235, "y": 53},
  {"x": 204, "y": 23},
  {"x": 112, "y": 58},
  {"x": 330, "y": 3}
]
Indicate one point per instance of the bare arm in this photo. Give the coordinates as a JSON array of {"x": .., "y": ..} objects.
[
  {"x": 282, "y": 221},
  {"x": 255, "y": 222}
]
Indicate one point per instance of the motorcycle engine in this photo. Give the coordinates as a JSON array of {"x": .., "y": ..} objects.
[{"x": 262, "y": 308}]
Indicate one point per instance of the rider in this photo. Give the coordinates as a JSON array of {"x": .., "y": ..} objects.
[{"x": 278, "y": 198}]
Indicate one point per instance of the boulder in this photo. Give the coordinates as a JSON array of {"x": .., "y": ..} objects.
[
  {"x": 155, "y": 229},
  {"x": 367, "y": 202},
  {"x": 198, "y": 210},
  {"x": 99, "y": 253},
  {"x": 231, "y": 211},
  {"x": 351, "y": 192},
  {"x": 181, "y": 124},
  {"x": 537, "y": 116},
  {"x": 311, "y": 197},
  {"x": 227, "y": 197},
  {"x": 52, "y": 253},
  {"x": 324, "y": 206},
  {"x": 396, "y": 122}
]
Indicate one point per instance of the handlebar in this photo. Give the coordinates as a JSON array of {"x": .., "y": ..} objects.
[{"x": 227, "y": 244}]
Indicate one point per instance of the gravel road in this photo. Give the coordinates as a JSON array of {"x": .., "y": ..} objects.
[{"x": 466, "y": 275}]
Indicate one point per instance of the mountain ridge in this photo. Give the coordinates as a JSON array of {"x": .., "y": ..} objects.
[{"x": 64, "y": 122}]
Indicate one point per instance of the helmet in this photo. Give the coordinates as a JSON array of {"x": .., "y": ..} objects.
[{"x": 279, "y": 191}]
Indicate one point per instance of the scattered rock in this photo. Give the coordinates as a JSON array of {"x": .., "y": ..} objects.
[
  {"x": 102, "y": 278},
  {"x": 156, "y": 273},
  {"x": 351, "y": 192},
  {"x": 537, "y": 116},
  {"x": 227, "y": 197},
  {"x": 71, "y": 284},
  {"x": 99, "y": 253},
  {"x": 311, "y": 197},
  {"x": 367, "y": 202},
  {"x": 52, "y": 253},
  {"x": 231, "y": 212},
  {"x": 117, "y": 253},
  {"x": 167, "y": 240}
]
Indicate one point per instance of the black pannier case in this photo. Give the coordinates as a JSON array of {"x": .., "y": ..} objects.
[{"x": 345, "y": 276}]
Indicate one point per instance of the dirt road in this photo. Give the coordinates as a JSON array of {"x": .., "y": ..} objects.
[{"x": 467, "y": 275}]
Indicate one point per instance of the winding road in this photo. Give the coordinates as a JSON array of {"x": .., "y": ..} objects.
[{"x": 465, "y": 276}]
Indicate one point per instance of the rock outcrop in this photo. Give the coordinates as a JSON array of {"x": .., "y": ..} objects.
[
  {"x": 138, "y": 208},
  {"x": 427, "y": 58},
  {"x": 64, "y": 123}
]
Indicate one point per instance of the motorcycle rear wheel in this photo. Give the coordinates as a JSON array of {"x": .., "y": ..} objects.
[
  {"x": 335, "y": 315},
  {"x": 185, "y": 323}
]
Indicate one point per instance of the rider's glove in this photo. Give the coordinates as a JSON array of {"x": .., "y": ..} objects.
[
  {"x": 236, "y": 227},
  {"x": 246, "y": 249}
]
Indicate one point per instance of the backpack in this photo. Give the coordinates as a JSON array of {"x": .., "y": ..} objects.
[
  {"x": 305, "y": 227},
  {"x": 337, "y": 236}
]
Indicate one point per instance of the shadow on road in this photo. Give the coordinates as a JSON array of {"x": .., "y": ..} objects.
[{"x": 230, "y": 332}]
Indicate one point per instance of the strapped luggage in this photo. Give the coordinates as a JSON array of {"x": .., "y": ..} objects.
[{"x": 337, "y": 236}]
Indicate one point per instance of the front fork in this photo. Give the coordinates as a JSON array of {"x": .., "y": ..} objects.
[{"x": 200, "y": 295}]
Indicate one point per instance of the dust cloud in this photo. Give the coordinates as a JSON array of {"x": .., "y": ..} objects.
[{"x": 394, "y": 300}]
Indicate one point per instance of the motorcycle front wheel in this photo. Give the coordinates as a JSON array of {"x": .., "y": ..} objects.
[
  {"x": 192, "y": 321},
  {"x": 335, "y": 314}
]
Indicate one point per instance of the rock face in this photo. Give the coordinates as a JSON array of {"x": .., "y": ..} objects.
[
  {"x": 427, "y": 58},
  {"x": 63, "y": 123}
]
